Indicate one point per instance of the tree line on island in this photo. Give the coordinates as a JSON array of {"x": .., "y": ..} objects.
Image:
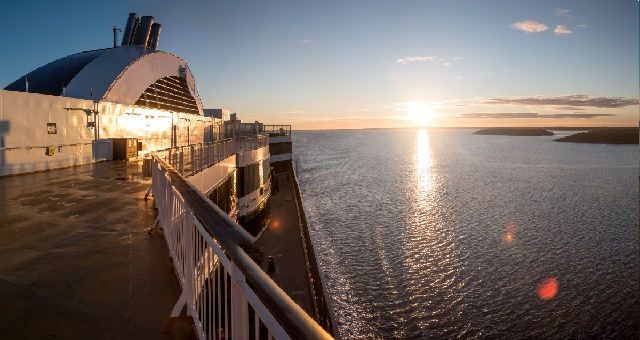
[{"x": 621, "y": 135}]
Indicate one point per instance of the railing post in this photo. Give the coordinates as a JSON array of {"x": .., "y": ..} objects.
[
  {"x": 192, "y": 150},
  {"x": 240, "y": 310},
  {"x": 200, "y": 156},
  {"x": 181, "y": 164}
]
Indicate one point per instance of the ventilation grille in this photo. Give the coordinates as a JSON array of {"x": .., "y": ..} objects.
[{"x": 170, "y": 94}]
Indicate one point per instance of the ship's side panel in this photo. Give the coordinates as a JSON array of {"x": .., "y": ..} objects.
[
  {"x": 209, "y": 178},
  {"x": 38, "y": 133},
  {"x": 253, "y": 166},
  {"x": 41, "y": 132}
]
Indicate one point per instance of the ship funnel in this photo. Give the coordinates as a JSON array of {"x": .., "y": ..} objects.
[
  {"x": 143, "y": 31},
  {"x": 128, "y": 30},
  {"x": 154, "y": 36}
]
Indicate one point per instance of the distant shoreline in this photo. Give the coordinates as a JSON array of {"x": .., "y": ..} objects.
[
  {"x": 604, "y": 136},
  {"x": 514, "y": 132}
]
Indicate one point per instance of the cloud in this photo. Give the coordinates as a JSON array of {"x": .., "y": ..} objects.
[
  {"x": 529, "y": 26},
  {"x": 568, "y": 108},
  {"x": 357, "y": 109},
  {"x": 291, "y": 112},
  {"x": 582, "y": 25},
  {"x": 561, "y": 12},
  {"x": 416, "y": 59},
  {"x": 306, "y": 41},
  {"x": 429, "y": 58},
  {"x": 562, "y": 29},
  {"x": 532, "y": 115},
  {"x": 569, "y": 100}
]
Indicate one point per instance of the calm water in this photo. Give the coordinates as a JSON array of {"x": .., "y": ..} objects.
[{"x": 442, "y": 234}]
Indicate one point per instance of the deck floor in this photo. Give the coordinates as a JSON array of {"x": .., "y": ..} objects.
[
  {"x": 76, "y": 261},
  {"x": 282, "y": 240}
]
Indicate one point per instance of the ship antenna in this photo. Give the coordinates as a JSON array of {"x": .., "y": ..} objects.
[{"x": 115, "y": 36}]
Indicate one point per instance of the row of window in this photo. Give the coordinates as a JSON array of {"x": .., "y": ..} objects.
[
  {"x": 252, "y": 176},
  {"x": 224, "y": 194}
]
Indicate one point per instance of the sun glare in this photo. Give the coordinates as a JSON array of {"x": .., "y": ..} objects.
[{"x": 419, "y": 112}]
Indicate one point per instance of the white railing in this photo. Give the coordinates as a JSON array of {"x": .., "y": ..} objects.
[
  {"x": 248, "y": 143},
  {"x": 191, "y": 159},
  {"x": 277, "y": 130},
  {"x": 225, "y": 292}
]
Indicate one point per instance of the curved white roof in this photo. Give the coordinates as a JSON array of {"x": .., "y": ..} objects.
[{"x": 120, "y": 75}]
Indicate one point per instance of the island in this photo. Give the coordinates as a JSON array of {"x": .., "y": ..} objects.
[
  {"x": 514, "y": 132},
  {"x": 627, "y": 135}
]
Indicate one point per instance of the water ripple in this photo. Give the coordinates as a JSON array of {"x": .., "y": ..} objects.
[{"x": 443, "y": 234}]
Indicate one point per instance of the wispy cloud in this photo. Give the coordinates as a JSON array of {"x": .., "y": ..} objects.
[
  {"x": 429, "y": 59},
  {"x": 529, "y": 26},
  {"x": 531, "y": 115},
  {"x": 561, "y": 12},
  {"x": 562, "y": 30},
  {"x": 569, "y": 100},
  {"x": 416, "y": 59},
  {"x": 568, "y": 108},
  {"x": 291, "y": 112},
  {"x": 582, "y": 25},
  {"x": 357, "y": 109},
  {"x": 306, "y": 41},
  {"x": 578, "y": 115}
]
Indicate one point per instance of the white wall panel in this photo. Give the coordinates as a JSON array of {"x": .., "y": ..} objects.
[
  {"x": 252, "y": 156},
  {"x": 27, "y": 115},
  {"x": 207, "y": 179}
]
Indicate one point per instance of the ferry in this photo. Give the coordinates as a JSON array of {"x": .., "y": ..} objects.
[{"x": 211, "y": 173}]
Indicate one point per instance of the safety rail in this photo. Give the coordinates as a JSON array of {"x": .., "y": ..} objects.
[
  {"x": 51, "y": 146},
  {"x": 225, "y": 292},
  {"x": 248, "y": 143},
  {"x": 277, "y": 130},
  {"x": 191, "y": 159},
  {"x": 324, "y": 314}
]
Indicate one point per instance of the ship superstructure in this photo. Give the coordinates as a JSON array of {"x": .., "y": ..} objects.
[{"x": 132, "y": 102}]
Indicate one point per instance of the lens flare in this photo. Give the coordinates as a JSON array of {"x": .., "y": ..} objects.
[
  {"x": 275, "y": 225},
  {"x": 548, "y": 289},
  {"x": 510, "y": 235}
]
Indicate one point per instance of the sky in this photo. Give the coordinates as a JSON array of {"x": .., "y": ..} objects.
[{"x": 369, "y": 64}]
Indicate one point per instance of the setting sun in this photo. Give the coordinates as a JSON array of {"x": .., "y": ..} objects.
[{"x": 418, "y": 112}]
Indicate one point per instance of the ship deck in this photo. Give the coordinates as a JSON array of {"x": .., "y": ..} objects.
[
  {"x": 282, "y": 239},
  {"x": 77, "y": 261}
]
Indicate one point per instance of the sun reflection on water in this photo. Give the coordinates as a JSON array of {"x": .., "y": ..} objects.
[
  {"x": 424, "y": 163},
  {"x": 432, "y": 260}
]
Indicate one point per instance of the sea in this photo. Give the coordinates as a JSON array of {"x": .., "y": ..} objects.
[{"x": 441, "y": 234}]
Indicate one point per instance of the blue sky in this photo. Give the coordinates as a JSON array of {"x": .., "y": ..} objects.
[{"x": 355, "y": 64}]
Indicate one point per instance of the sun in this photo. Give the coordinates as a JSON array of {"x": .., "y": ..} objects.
[{"x": 419, "y": 112}]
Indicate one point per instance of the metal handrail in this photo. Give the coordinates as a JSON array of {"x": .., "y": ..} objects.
[
  {"x": 193, "y": 158},
  {"x": 277, "y": 130},
  {"x": 54, "y": 145},
  {"x": 233, "y": 240}
]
